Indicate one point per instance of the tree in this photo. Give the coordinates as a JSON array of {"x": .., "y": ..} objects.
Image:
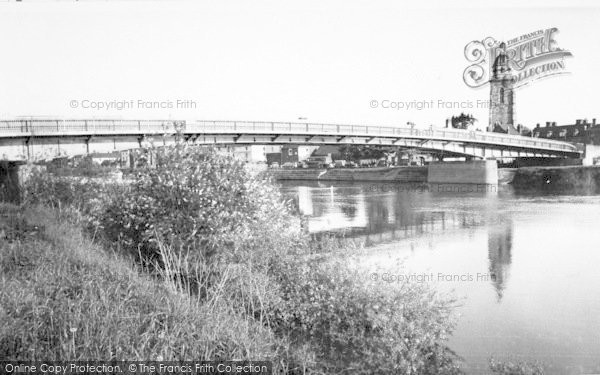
[
  {"x": 357, "y": 152},
  {"x": 463, "y": 121}
]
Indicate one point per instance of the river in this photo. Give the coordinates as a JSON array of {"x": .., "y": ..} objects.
[{"x": 524, "y": 267}]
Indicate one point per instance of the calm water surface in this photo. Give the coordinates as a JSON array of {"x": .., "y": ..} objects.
[{"x": 525, "y": 267}]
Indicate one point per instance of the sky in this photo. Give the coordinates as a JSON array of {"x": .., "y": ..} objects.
[{"x": 268, "y": 60}]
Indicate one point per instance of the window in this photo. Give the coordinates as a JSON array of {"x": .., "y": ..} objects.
[{"x": 502, "y": 95}]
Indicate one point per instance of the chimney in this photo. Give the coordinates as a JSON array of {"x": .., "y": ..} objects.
[
  {"x": 554, "y": 123},
  {"x": 537, "y": 125},
  {"x": 593, "y": 121},
  {"x": 547, "y": 124},
  {"x": 577, "y": 122}
]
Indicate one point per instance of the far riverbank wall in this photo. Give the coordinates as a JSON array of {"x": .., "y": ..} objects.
[
  {"x": 384, "y": 174},
  {"x": 551, "y": 179},
  {"x": 576, "y": 179},
  {"x": 398, "y": 174}
]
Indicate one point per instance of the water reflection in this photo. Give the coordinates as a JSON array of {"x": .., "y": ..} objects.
[
  {"x": 499, "y": 254},
  {"x": 383, "y": 213},
  {"x": 379, "y": 213},
  {"x": 539, "y": 251}
]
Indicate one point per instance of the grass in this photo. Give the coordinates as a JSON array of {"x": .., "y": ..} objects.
[
  {"x": 195, "y": 259},
  {"x": 62, "y": 296}
]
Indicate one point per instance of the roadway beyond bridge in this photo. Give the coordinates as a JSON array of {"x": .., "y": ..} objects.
[{"x": 33, "y": 140}]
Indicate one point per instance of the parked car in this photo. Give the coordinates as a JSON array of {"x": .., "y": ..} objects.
[
  {"x": 274, "y": 165},
  {"x": 367, "y": 162},
  {"x": 319, "y": 162},
  {"x": 340, "y": 164},
  {"x": 289, "y": 165}
]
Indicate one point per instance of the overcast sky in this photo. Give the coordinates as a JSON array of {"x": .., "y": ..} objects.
[{"x": 278, "y": 61}]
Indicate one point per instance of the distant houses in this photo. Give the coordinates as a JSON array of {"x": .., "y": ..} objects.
[
  {"x": 580, "y": 132},
  {"x": 290, "y": 154}
]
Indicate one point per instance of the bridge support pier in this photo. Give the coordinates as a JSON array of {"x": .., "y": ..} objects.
[
  {"x": 10, "y": 182},
  {"x": 463, "y": 172},
  {"x": 12, "y": 177}
]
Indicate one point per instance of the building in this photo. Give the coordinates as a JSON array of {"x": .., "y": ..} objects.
[
  {"x": 329, "y": 150},
  {"x": 580, "y": 132},
  {"x": 249, "y": 153},
  {"x": 289, "y": 154},
  {"x": 103, "y": 158},
  {"x": 502, "y": 96},
  {"x": 273, "y": 157}
]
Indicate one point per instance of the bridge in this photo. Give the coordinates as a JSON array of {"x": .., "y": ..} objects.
[{"x": 22, "y": 140}]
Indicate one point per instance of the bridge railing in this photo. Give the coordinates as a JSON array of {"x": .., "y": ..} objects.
[
  {"x": 143, "y": 127},
  {"x": 291, "y": 128},
  {"x": 60, "y": 127}
]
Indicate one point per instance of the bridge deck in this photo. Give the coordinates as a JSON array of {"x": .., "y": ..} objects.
[{"x": 274, "y": 131}]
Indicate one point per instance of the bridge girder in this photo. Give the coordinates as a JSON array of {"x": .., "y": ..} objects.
[{"x": 27, "y": 139}]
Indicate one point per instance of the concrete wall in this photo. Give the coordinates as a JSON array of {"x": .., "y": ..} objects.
[
  {"x": 506, "y": 175},
  {"x": 470, "y": 172},
  {"x": 573, "y": 180},
  {"x": 398, "y": 174},
  {"x": 9, "y": 182},
  {"x": 12, "y": 177},
  {"x": 591, "y": 155},
  {"x": 544, "y": 162}
]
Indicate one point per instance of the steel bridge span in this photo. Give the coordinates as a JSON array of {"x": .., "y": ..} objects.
[{"x": 22, "y": 140}]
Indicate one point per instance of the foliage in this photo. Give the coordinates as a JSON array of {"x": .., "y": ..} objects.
[
  {"x": 358, "y": 152},
  {"x": 84, "y": 197},
  {"x": 83, "y": 167},
  {"x": 513, "y": 367},
  {"x": 194, "y": 200},
  {"x": 357, "y": 324},
  {"x": 225, "y": 243},
  {"x": 463, "y": 121},
  {"x": 62, "y": 297}
]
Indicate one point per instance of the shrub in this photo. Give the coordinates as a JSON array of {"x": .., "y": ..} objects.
[
  {"x": 221, "y": 236},
  {"x": 356, "y": 324},
  {"x": 85, "y": 198},
  {"x": 191, "y": 200},
  {"x": 515, "y": 367},
  {"x": 62, "y": 297}
]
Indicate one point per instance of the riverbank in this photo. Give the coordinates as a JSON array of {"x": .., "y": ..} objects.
[
  {"x": 387, "y": 174},
  {"x": 382, "y": 174},
  {"x": 123, "y": 269},
  {"x": 555, "y": 179},
  {"x": 64, "y": 296},
  {"x": 580, "y": 179}
]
